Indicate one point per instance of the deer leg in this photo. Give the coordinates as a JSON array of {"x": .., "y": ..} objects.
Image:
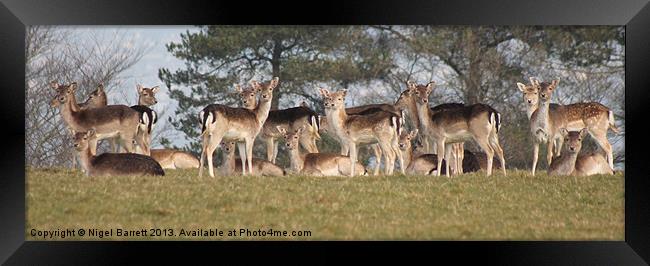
[
  {"x": 213, "y": 143},
  {"x": 203, "y": 152},
  {"x": 242, "y": 156},
  {"x": 559, "y": 142},
  {"x": 345, "y": 149},
  {"x": 549, "y": 152},
  {"x": 440, "y": 145},
  {"x": 378, "y": 155},
  {"x": 450, "y": 158},
  {"x": 601, "y": 139},
  {"x": 353, "y": 156},
  {"x": 276, "y": 146},
  {"x": 461, "y": 156},
  {"x": 398, "y": 152},
  {"x": 494, "y": 143},
  {"x": 269, "y": 149},
  {"x": 535, "y": 155},
  {"x": 484, "y": 143},
  {"x": 249, "y": 154},
  {"x": 389, "y": 156}
]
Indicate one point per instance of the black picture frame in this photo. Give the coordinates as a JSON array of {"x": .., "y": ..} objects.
[{"x": 634, "y": 14}]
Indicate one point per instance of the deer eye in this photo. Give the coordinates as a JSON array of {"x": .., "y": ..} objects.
[{"x": 579, "y": 139}]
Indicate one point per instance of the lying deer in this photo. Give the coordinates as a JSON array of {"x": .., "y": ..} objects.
[
  {"x": 109, "y": 164},
  {"x": 479, "y": 122},
  {"x": 231, "y": 166},
  {"x": 573, "y": 163},
  {"x": 316, "y": 164},
  {"x": 290, "y": 119},
  {"x": 377, "y": 127},
  {"x": 236, "y": 124},
  {"x": 174, "y": 159},
  {"x": 108, "y": 121},
  {"x": 547, "y": 119},
  {"x": 426, "y": 164}
]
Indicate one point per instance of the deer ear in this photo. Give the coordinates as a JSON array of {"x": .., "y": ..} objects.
[
  {"x": 54, "y": 85},
  {"x": 584, "y": 132},
  {"x": 345, "y": 92},
  {"x": 430, "y": 86},
  {"x": 410, "y": 84},
  {"x": 414, "y": 133},
  {"x": 138, "y": 87},
  {"x": 73, "y": 87},
  {"x": 521, "y": 86},
  {"x": 100, "y": 86},
  {"x": 281, "y": 129},
  {"x": 564, "y": 132},
  {"x": 155, "y": 89},
  {"x": 324, "y": 92},
  {"x": 255, "y": 84},
  {"x": 301, "y": 129},
  {"x": 90, "y": 132},
  {"x": 238, "y": 88},
  {"x": 274, "y": 82},
  {"x": 554, "y": 84}
]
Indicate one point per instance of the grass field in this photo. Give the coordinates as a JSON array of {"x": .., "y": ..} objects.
[{"x": 469, "y": 207}]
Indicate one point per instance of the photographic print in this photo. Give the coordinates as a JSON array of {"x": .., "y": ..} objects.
[{"x": 363, "y": 132}]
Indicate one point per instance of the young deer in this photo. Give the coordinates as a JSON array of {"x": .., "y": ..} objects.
[
  {"x": 108, "y": 164},
  {"x": 108, "y": 121},
  {"x": 174, "y": 159},
  {"x": 316, "y": 164},
  {"x": 236, "y": 124},
  {"x": 377, "y": 127},
  {"x": 148, "y": 117},
  {"x": 231, "y": 166},
  {"x": 425, "y": 164},
  {"x": 406, "y": 101},
  {"x": 479, "y": 122},
  {"x": 547, "y": 119},
  {"x": 291, "y": 119},
  {"x": 571, "y": 163}
]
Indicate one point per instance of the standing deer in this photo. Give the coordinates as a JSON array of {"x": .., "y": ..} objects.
[
  {"x": 479, "y": 122},
  {"x": 291, "y": 119},
  {"x": 231, "y": 166},
  {"x": 316, "y": 164},
  {"x": 573, "y": 163},
  {"x": 148, "y": 117},
  {"x": 174, "y": 159},
  {"x": 377, "y": 127},
  {"x": 547, "y": 119},
  {"x": 109, "y": 164},
  {"x": 406, "y": 101},
  {"x": 108, "y": 121},
  {"x": 97, "y": 98},
  {"x": 236, "y": 124}
]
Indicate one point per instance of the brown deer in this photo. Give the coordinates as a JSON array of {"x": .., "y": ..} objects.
[
  {"x": 377, "y": 127},
  {"x": 148, "y": 117},
  {"x": 316, "y": 164},
  {"x": 406, "y": 101},
  {"x": 110, "y": 164},
  {"x": 174, "y": 159},
  {"x": 236, "y": 124},
  {"x": 547, "y": 119},
  {"x": 97, "y": 98},
  {"x": 108, "y": 121},
  {"x": 479, "y": 122},
  {"x": 231, "y": 166},
  {"x": 291, "y": 119},
  {"x": 573, "y": 163},
  {"x": 426, "y": 164}
]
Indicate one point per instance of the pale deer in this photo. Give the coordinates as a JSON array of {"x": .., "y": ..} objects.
[
  {"x": 231, "y": 166},
  {"x": 547, "y": 119},
  {"x": 108, "y": 121},
  {"x": 148, "y": 117},
  {"x": 571, "y": 162},
  {"x": 377, "y": 127},
  {"x": 174, "y": 159},
  {"x": 406, "y": 101},
  {"x": 110, "y": 164},
  {"x": 316, "y": 164},
  {"x": 236, "y": 124},
  {"x": 479, "y": 122},
  {"x": 426, "y": 163},
  {"x": 291, "y": 119}
]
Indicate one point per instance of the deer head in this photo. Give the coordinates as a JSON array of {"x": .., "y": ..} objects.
[
  {"x": 573, "y": 139},
  {"x": 405, "y": 139},
  {"x": 63, "y": 92},
  {"x": 81, "y": 139},
  {"x": 147, "y": 96},
  {"x": 292, "y": 139},
  {"x": 333, "y": 100},
  {"x": 422, "y": 92},
  {"x": 546, "y": 90},
  {"x": 247, "y": 95}
]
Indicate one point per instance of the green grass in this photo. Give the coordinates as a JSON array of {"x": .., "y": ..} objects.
[{"x": 469, "y": 207}]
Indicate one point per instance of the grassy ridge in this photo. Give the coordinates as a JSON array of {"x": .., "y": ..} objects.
[{"x": 518, "y": 206}]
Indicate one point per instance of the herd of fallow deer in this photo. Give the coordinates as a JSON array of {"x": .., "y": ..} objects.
[{"x": 439, "y": 133}]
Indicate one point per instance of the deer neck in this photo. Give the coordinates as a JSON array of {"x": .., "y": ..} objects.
[
  {"x": 297, "y": 159},
  {"x": 568, "y": 163},
  {"x": 141, "y": 102},
  {"x": 530, "y": 109},
  {"x": 69, "y": 110},
  {"x": 408, "y": 155},
  {"x": 336, "y": 119},
  {"x": 541, "y": 121},
  {"x": 262, "y": 111},
  {"x": 229, "y": 162},
  {"x": 86, "y": 157},
  {"x": 412, "y": 113},
  {"x": 424, "y": 115}
]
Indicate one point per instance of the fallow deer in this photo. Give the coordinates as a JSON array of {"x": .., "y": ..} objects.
[
  {"x": 97, "y": 98},
  {"x": 547, "y": 119},
  {"x": 424, "y": 163},
  {"x": 377, "y": 127},
  {"x": 174, "y": 159},
  {"x": 316, "y": 164},
  {"x": 291, "y": 119},
  {"x": 108, "y": 121},
  {"x": 236, "y": 124},
  {"x": 479, "y": 122},
  {"x": 231, "y": 166},
  {"x": 571, "y": 162},
  {"x": 148, "y": 117},
  {"x": 109, "y": 164}
]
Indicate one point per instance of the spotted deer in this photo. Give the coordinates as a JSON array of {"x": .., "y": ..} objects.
[
  {"x": 571, "y": 162},
  {"x": 316, "y": 164},
  {"x": 478, "y": 122},
  {"x": 236, "y": 124},
  {"x": 231, "y": 166},
  {"x": 291, "y": 119},
  {"x": 111, "y": 164},
  {"x": 406, "y": 102},
  {"x": 108, "y": 121},
  {"x": 380, "y": 127},
  {"x": 547, "y": 119},
  {"x": 174, "y": 159},
  {"x": 426, "y": 163}
]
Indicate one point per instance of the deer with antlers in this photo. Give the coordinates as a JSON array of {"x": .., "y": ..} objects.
[
  {"x": 236, "y": 124},
  {"x": 546, "y": 120},
  {"x": 379, "y": 127},
  {"x": 478, "y": 122}
]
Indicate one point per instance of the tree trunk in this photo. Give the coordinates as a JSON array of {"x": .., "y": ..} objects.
[
  {"x": 473, "y": 78},
  {"x": 275, "y": 69}
]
